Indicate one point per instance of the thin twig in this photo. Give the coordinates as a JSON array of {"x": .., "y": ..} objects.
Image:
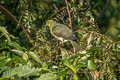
[
  {"x": 103, "y": 10},
  {"x": 31, "y": 2},
  {"x": 84, "y": 72},
  {"x": 69, "y": 15},
  {"x": 86, "y": 75},
  {"x": 23, "y": 28},
  {"x": 55, "y": 7},
  {"x": 56, "y": 12}
]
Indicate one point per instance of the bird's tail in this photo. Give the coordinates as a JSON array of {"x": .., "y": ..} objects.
[{"x": 75, "y": 45}]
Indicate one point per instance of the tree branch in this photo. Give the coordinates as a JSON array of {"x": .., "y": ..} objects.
[
  {"x": 69, "y": 15},
  {"x": 23, "y": 28},
  {"x": 56, "y": 12},
  {"x": 103, "y": 10}
]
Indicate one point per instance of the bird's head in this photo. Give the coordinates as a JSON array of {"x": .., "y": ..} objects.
[{"x": 50, "y": 23}]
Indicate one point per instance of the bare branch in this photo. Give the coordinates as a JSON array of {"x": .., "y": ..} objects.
[
  {"x": 23, "y": 28},
  {"x": 69, "y": 15},
  {"x": 103, "y": 10},
  {"x": 56, "y": 12}
]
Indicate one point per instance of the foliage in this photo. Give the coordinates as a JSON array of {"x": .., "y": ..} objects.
[{"x": 98, "y": 58}]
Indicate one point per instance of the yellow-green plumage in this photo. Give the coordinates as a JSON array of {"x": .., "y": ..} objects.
[{"x": 62, "y": 33}]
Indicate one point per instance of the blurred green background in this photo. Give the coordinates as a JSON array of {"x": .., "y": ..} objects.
[{"x": 109, "y": 16}]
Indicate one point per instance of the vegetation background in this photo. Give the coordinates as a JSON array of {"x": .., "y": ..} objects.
[{"x": 29, "y": 52}]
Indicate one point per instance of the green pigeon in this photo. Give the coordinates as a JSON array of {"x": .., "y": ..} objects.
[{"x": 63, "y": 33}]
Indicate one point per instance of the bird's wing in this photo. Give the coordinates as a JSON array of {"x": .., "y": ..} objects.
[{"x": 63, "y": 31}]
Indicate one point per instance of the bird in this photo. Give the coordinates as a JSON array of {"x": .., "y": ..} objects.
[{"x": 63, "y": 33}]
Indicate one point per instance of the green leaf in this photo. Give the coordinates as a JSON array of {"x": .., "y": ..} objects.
[
  {"x": 91, "y": 65},
  {"x": 5, "y": 62},
  {"x": 75, "y": 77},
  {"x": 18, "y": 52},
  {"x": 4, "y": 31},
  {"x": 47, "y": 76},
  {"x": 64, "y": 53},
  {"x": 2, "y": 78},
  {"x": 22, "y": 70},
  {"x": 71, "y": 66},
  {"x": 18, "y": 59},
  {"x": 89, "y": 39},
  {"x": 82, "y": 65},
  {"x": 99, "y": 40},
  {"x": 61, "y": 77},
  {"x": 3, "y": 69},
  {"x": 35, "y": 57},
  {"x": 15, "y": 45},
  {"x": 75, "y": 61},
  {"x": 85, "y": 36}
]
